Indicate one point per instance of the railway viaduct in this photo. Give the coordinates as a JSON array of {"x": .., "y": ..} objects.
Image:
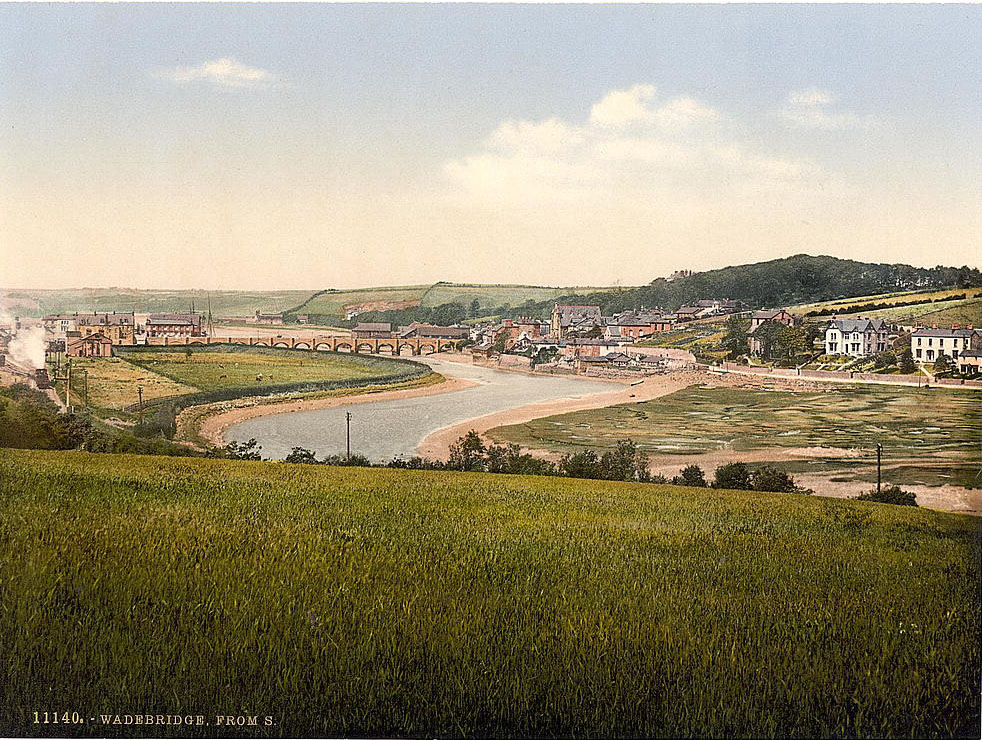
[{"x": 415, "y": 346}]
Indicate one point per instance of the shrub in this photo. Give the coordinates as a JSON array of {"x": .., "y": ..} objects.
[
  {"x": 733, "y": 475},
  {"x": 890, "y": 495},
  {"x": 691, "y": 475},
  {"x": 767, "y": 478}
]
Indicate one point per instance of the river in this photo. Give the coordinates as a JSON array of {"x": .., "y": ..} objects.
[{"x": 388, "y": 429}]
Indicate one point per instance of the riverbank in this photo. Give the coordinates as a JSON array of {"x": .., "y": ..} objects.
[
  {"x": 437, "y": 444},
  {"x": 211, "y": 421}
]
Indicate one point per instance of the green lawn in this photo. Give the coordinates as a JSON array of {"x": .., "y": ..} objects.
[
  {"x": 931, "y": 427},
  {"x": 393, "y": 603},
  {"x": 211, "y": 370}
]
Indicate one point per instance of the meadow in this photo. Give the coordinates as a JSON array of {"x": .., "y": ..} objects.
[
  {"x": 223, "y": 302},
  {"x": 113, "y": 383},
  {"x": 212, "y": 370},
  {"x": 493, "y": 296},
  {"x": 846, "y": 306},
  {"x": 935, "y": 431},
  {"x": 333, "y": 302},
  {"x": 346, "y": 601}
]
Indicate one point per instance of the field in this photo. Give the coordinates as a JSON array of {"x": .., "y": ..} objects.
[
  {"x": 332, "y": 303},
  {"x": 493, "y": 296},
  {"x": 113, "y": 383},
  {"x": 223, "y": 303},
  {"x": 933, "y": 433},
  {"x": 378, "y": 602},
  {"x": 844, "y": 306},
  {"x": 208, "y": 371}
]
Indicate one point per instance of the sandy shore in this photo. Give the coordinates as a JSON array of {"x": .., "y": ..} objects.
[{"x": 213, "y": 427}]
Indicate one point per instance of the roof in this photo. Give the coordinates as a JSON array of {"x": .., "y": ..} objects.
[
  {"x": 97, "y": 337},
  {"x": 971, "y": 353},
  {"x": 182, "y": 319},
  {"x": 768, "y": 313},
  {"x": 945, "y": 332},
  {"x": 104, "y": 319},
  {"x": 373, "y": 326},
  {"x": 858, "y": 325}
]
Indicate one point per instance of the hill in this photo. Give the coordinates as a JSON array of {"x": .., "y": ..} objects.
[
  {"x": 793, "y": 280},
  {"x": 223, "y": 302},
  {"x": 367, "y": 602}
]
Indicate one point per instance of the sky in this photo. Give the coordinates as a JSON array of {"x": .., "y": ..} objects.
[{"x": 281, "y": 146}]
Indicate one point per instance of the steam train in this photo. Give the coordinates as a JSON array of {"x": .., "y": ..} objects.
[{"x": 41, "y": 379}]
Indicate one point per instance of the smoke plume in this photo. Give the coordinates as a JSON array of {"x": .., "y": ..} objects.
[{"x": 27, "y": 347}]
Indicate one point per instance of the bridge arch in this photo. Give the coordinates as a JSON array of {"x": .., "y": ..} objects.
[
  {"x": 411, "y": 348},
  {"x": 364, "y": 347},
  {"x": 323, "y": 345},
  {"x": 301, "y": 345},
  {"x": 386, "y": 347},
  {"x": 342, "y": 347},
  {"x": 282, "y": 344},
  {"x": 424, "y": 347}
]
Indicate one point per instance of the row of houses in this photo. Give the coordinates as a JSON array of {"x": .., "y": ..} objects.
[
  {"x": 415, "y": 330},
  {"x": 124, "y": 328}
]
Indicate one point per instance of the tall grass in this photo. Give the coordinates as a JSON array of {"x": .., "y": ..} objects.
[{"x": 381, "y": 602}]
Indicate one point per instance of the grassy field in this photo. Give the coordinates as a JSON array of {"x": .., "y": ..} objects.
[
  {"x": 937, "y": 429},
  {"x": 113, "y": 382},
  {"x": 209, "y": 370},
  {"x": 379, "y": 602},
  {"x": 333, "y": 303},
  {"x": 843, "y": 306},
  {"x": 223, "y": 303},
  {"x": 492, "y": 296}
]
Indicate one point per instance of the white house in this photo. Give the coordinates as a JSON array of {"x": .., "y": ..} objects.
[
  {"x": 855, "y": 337},
  {"x": 928, "y": 344}
]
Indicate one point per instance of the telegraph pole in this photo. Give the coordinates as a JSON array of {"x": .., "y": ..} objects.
[
  {"x": 139, "y": 394},
  {"x": 347, "y": 424},
  {"x": 879, "y": 453}
]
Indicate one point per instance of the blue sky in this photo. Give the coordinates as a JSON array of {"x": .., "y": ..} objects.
[{"x": 311, "y": 146}]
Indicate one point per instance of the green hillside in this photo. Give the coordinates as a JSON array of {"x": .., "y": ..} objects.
[
  {"x": 368, "y": 602},
  {"x": 493, "y": 296},
  {"x": 223, "y": 302}
]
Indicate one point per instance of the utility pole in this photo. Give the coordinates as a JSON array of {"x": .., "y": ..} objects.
[
  {"x": 879, "y": 453},
  {"x": 68, "y": 388},
  {"x": 139, "y": 394},
  {"x": 347, "y": 424},
  {"x": 85, "y": 388}
]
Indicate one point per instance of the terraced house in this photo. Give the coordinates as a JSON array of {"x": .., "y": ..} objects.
[
  {"x": 856, "y": 337},
  {"x": 929, "y": 344}
]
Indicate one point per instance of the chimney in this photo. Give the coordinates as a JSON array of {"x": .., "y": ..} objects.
[
  {"x": 934, "y": 326},
  {"x": 955, "y": 326}
]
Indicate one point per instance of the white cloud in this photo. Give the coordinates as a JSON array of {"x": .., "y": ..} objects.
[
  {"x": 815, "y": 108},
  {"x": 634, "y": 107},
  {"x": 633, "y": 147},
  {"x": 225, "y": 72}
]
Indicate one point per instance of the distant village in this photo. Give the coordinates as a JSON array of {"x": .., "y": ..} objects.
[{"x": 576, "y": 338}]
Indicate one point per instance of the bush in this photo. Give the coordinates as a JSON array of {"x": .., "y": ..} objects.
[
  {"x": 890, "y": 495},
  {"x": 733, "y": 475},
  {"x": 767, "y": 478},
  {"x": 690, "y": 475}
]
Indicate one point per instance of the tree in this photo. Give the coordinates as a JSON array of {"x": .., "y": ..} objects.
[
  {"x": 500, "y": 342},
  {"x": 906, "y": 362},
  {"x": 475, "y": 309},
  {"x": 767, "y": 334},
  {"x": 768, "y": 478},
  {"x": 735, "y": 341},
  {"x": 187, "y": 354},
  {"x": 238, "y": 451},
  {"x": 733, "y": 475},
  {"x": 792, "y": 341},
  {"x": 692, "y": 475},
  {"x": 584, "y": 464},
  {"x": 943, "y": 364},
  {"x": 625, "y": 462},
  {"x": 884, "y": 359},
  {"x": 467, "y": 453},
  {"x": 301, "y": 456}
]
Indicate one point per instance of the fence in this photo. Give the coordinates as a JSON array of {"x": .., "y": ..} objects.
[{"x": 849, "y": 375}]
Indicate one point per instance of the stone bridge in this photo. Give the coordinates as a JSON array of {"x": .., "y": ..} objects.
[{"x": 334, "y": 343}]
